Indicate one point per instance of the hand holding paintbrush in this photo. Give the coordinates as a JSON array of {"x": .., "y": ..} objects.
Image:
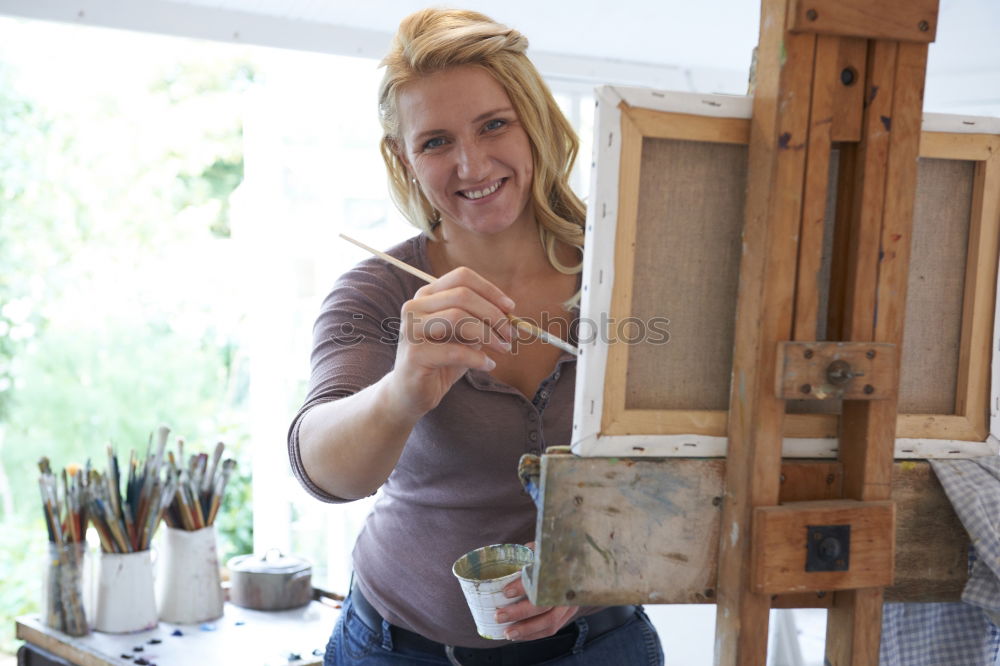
[{"x": 520, "y": 324}]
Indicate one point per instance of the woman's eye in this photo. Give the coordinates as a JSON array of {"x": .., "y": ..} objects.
[
  {"x": 436, "y": 142},
  {"x": 494, "y": 124}
]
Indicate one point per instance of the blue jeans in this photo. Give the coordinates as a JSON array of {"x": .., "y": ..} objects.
[{"x": 635, "y": 643}]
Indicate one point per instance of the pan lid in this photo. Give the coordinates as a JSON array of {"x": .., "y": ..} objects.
[{"x": 273, "y": 562}]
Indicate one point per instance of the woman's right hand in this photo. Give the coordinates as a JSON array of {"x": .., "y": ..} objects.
[{"x": 445, "y": 329}]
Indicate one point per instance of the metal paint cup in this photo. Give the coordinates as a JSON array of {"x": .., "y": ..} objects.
[{"x": 483, "y": 573}]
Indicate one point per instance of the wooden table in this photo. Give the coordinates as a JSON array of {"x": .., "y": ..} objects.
[{"x": 294, "y": 637}]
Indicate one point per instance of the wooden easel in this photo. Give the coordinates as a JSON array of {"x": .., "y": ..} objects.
[
  {"x": 624, "y": 530},
  {"x": 806, "y": 48}
]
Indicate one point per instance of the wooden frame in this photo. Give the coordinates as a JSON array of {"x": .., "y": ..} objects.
[
  {"x": 614, "y": 531},
  {"x": 603, "y": 423},
  {"x": 971, "y": 421}
]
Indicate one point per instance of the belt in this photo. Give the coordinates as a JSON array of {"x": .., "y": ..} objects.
[{"x": 522, "y": 653}]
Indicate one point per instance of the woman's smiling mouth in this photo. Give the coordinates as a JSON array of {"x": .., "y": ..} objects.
[{"x": 485, "y": 192}]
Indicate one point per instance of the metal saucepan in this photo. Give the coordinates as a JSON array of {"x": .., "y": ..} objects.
[{"x": 272, "y": 582}]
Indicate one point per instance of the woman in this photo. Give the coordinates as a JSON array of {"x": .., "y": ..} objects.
[{"x": 478, "y": 157}]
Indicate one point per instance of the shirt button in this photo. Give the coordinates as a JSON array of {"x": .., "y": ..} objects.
[
  {"x": 544, "y": 395},
  {"x": 533, "y": 436},
  {"x": 532, "y": 417}
]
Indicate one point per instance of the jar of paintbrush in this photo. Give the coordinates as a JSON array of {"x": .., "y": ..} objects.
[
  {"x": 126, "y": 522},
  {"x": 188, "y": 586},
  {"x": 63, "y": 605}
]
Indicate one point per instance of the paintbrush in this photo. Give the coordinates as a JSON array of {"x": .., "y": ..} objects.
[
  {"x": 209, "y": 481},
  {"x": 193, "y": 492},
  {"x": 220, "y": 488},
  {"x": 521, "y": 324}
]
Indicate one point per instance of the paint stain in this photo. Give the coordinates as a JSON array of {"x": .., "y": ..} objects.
[
  {"x": 908, "y": 465},
  {"x": 785, "y": 142},
  {"x": 677, "y": 557},
  {"x": 896, "y": 237},
  {"x": 872, "y": 94},
  {"x": 604, "y": 553},
  {"x": 734, "y": 534},
  {"x": 886, "y": 123}
]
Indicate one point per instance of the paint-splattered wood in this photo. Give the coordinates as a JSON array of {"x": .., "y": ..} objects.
[
  {"x": 240, "y": 636},
  {"x": 616, "y": 530},
  {"x": 868, "y": 195},
  {"x": 847, "y": 97},
  {"x": 889, "y": 151},
  {"x": 900, "y": 20},
  {"x": 853, "y": 613},
  {"x": 779, "y": 134},
  {"x": 826, "y": 78},
  {"x": 620, "y": 531}
]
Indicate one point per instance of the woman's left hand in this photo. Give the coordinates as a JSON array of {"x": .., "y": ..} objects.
[{"x": 530, "y": 621}]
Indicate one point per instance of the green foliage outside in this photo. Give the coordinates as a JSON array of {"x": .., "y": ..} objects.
[{"x": 106, "y": 208}]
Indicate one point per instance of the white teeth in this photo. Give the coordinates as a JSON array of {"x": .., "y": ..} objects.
[{"x": 479, "y": 194}]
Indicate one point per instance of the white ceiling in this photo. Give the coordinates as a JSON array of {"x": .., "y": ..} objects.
[
  {"x": 632, "y": 41},
  {"x": 713, "y": 33},
  {"x": 700, "y": 33}
]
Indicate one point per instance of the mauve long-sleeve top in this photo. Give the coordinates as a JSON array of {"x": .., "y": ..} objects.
[{"x": 455, "y": 487}]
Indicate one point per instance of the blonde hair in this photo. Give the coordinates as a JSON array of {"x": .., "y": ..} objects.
[{"x": 432, "y": 40}]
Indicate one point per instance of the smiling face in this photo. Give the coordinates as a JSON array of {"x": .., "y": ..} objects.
[{"x": 463, "y": 142}]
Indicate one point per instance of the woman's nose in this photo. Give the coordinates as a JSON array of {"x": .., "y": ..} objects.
[{"x": 473, "y": 162}]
